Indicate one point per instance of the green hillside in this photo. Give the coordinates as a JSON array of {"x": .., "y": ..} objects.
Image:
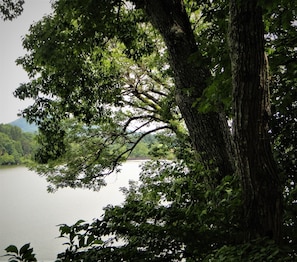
[
  {"x": 15, "y": 145},
  {"x": 24, "y": 125}
]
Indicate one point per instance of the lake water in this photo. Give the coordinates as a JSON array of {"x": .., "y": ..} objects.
[{"x": 28, "y": 214}]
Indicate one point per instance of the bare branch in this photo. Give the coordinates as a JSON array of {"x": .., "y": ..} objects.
[
  {"x": 135, "y": 118},
  {"x": 129, "y": 150}
]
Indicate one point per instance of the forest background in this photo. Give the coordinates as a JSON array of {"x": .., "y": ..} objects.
[{"x": 18, "y": 144}]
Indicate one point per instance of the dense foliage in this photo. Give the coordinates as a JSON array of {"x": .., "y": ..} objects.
[
  {"x": 170, "y": 216},
  {"x": 15, "y": 146},
  {"x": 10, "y": 9},
  {"x": 107, "y": 74},
  {"x": 25, "y": 253}
]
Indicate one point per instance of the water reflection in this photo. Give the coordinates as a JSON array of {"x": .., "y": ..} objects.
[{"x": 30, "y": 214}]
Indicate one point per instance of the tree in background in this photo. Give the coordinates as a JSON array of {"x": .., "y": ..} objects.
[{"x": 102, "y": 71}]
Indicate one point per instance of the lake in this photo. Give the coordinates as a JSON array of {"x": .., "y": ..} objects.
[{"x": 30, "y": 215}]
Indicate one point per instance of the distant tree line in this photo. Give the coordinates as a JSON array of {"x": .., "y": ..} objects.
[{"x": 15, "y": 145}]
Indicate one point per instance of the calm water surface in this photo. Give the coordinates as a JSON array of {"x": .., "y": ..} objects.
[{"x": 28, "y": 214}]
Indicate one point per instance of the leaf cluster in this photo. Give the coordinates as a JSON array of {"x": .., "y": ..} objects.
[
  {"x": 10, "y": 9},
  {"x": 280, "y": 22},
  {"x": 169, "y": 215},
  {"x": 261, "y": 249},
  {"x": 102, "y": 67},
  {"x": 25, "y": 254},
  {"x": 210, "y": 24}
]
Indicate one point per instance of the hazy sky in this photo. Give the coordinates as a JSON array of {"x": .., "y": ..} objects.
[{"x": 10, "y": 49}]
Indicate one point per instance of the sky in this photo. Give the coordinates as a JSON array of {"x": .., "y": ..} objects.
[{"x": 12, "y": 75}]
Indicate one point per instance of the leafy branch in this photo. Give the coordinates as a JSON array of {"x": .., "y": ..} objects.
[{"x": 25, "y": 254}]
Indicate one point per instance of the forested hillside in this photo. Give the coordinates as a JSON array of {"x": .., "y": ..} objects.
[
  {"x": 15, "y": 145},
  {"x": 24, "y": 125}
]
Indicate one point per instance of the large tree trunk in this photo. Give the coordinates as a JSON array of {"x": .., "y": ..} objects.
[
  {"x": 209, "y": 132},
  {"x": 255, "y": 163}
]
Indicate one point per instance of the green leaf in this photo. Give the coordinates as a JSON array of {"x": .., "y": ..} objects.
[
  {"x": 98, "y": 242},
  {"x": 12, "y": 249},
  {"x": 64, "y": 229},
  {"x": 79, "y": 222},
  {"x": 82, "y": 242},
  {"x": 29, "y": 256},
  {"x": 24, "y": 248},
  {"x": 90, "y": 239},
  {"x": 203, "y": 212},
  {"x": 229, "y": 191}
]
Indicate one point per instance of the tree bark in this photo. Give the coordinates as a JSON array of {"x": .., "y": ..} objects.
[
  {"x": 209, "y": 132},
  {"x": 262, "y": 195}
]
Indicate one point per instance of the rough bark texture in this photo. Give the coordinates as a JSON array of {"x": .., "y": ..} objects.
[
  {"x": 255, "y": 163},
  {"x": 209, "y": 132}
]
